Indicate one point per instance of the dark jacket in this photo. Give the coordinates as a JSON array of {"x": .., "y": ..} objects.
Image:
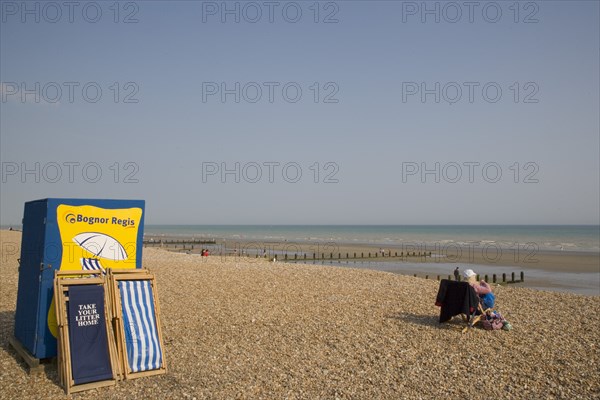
[{"x": 456, "y": 298}]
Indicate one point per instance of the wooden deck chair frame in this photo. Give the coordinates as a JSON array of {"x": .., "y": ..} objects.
[
  {"x": 62, "y": 281},
  {"x": 114, "y": 276}
]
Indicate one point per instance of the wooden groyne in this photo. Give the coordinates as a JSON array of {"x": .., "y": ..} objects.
[
  {"x": 512, "y": 278},
  {"x": 188, "y": 244},
  {"x": 353, "y": 256}
]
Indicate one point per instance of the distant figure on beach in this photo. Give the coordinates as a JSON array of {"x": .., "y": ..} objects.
[
  {"x": 483, "y": 289},
  {"x": 456, "y": 274}
]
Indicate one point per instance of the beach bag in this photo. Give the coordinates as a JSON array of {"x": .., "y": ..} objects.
[{"x": 493, "y": 321}]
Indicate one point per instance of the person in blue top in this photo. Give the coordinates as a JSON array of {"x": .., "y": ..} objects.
[{"x": 482, "y": 288}]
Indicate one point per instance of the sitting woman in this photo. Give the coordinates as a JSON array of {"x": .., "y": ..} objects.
[{"x": 482, "y": 288}]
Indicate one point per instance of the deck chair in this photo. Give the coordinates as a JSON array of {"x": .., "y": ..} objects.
[
  {"x": 74, "y": 372},
  {"x": 137, "y": 322},
  {"x": 459, "y": 298}
]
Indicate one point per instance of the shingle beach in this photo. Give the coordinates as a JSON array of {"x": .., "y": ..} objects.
[{"x": 248, "y": 328}]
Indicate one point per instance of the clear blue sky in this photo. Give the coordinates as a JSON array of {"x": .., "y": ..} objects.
[{"x": 371, "y": 58}]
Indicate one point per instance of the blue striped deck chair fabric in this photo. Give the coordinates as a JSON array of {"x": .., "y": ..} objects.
[
  {"x": 92, "y": 264},
  {"x": 142, "y": 341}
]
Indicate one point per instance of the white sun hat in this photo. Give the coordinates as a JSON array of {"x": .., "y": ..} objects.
[{"x": 468, "y": 273}]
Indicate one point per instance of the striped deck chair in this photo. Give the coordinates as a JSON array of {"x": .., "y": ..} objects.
[
  {"x": 92, "y": 264},
  {"x": 142, "y": 343}
]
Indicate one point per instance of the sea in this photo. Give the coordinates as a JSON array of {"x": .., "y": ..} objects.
[{"x": 578, "y": 238}]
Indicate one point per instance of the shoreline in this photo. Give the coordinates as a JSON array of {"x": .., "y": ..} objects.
[{"x": 563, "y": 271}]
